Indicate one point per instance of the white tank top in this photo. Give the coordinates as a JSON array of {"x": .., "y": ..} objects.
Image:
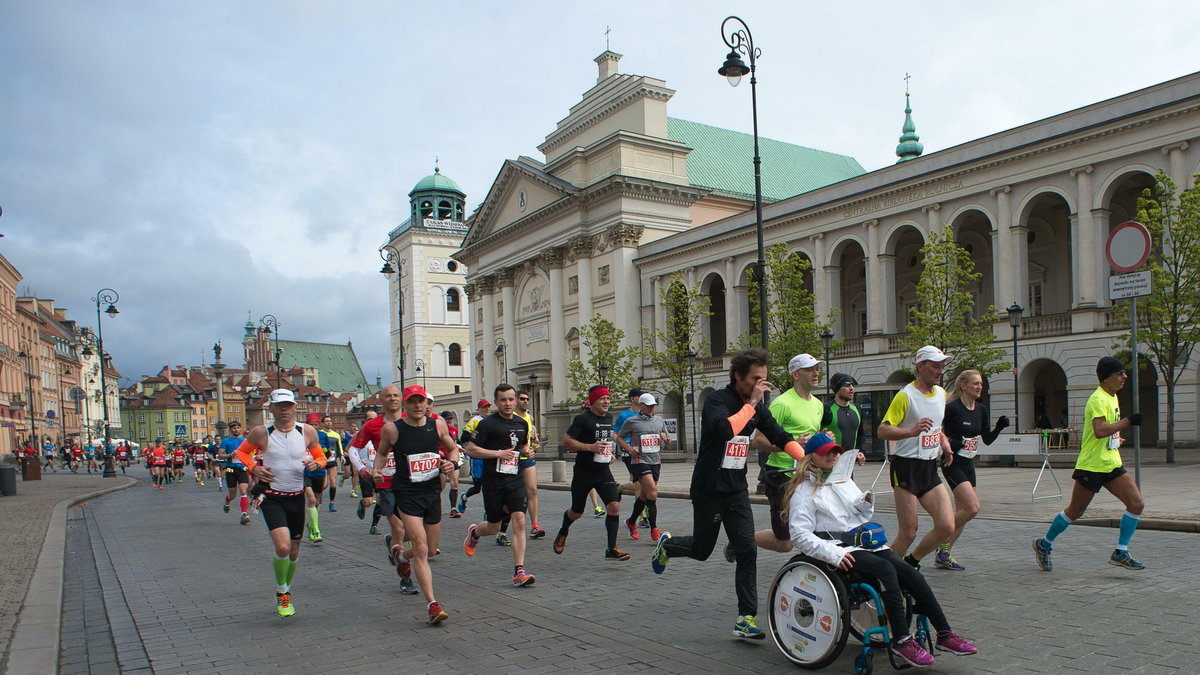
[
  {"x": 285, "y": 455},
  {"x": 927, "y": 445}
]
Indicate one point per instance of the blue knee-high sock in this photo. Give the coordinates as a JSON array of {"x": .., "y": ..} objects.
[
  {"x": 1129, "y": 523},
  {"x": 1057, "y": 526}
]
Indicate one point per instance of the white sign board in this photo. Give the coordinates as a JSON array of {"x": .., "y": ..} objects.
[
  {"x": 1133, "y": 285},
  {"x": 1014, "y": 444},
  {"x": 672, "y": 426}
]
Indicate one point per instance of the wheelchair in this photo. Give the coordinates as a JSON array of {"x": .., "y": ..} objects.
[{"x": 815, "y": 607}]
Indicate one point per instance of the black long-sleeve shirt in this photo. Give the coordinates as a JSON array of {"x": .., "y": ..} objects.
[
  {"x": 715, "y": 431},
  {"x": 959, "y": 424}
]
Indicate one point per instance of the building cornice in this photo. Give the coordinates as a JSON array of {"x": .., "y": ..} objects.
[{"x": 643, "y": 90}]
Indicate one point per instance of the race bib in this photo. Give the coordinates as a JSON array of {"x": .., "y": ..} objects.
[
  {"x": 605, "y": 454},
  {"x": 930, "y": 442},
  {"x": 970, "y": 447},
  {"x": 649, "y": 444},
  {"x": 424, "y": 466},
  {"x": 510, "y": 466},
  {"x": 1114, "y": 442},
  {"x": 736, "y": 451}
]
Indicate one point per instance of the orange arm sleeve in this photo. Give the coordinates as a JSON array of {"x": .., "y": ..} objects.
[
  {"x": 245, "y": 454},
  {"x": 739, "y": 419},
  {"x": 318, "y": 454},
  {"x": 794, "y": 450}
]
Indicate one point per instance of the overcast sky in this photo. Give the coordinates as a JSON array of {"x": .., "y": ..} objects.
[{"x": 209, "y": 159}]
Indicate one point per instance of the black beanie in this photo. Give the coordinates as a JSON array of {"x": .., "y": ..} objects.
[{"x": 1107, "y": 367}]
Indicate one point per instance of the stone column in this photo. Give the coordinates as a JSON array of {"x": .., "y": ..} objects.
[
  {"x": 820, "y": 282},
  {"x": 1101, "y": 221},
  {"x": 487, "y": 343},
  {"x": 892, "y": 321},
  {"x": 878, "y": 287},
  {"x": 506, "y": 277},
  {"x": 1004, "y": 264},
  {"x": 731, "y": 306},
  {"x": 623, "y": 238},
  {"x": 581, "y": 247},
  {"x": 1086, "y": 276},
  {"x": 471, "y": 290},
  {"x": 1020, "y": 267},
  {"x": 1178, "y": 164},
  {"x": 934, "y": 218},
  {"x": 660, "y": 322},
  {"x": 833, "y": 282},
  {"x": 552, "y": 260}
]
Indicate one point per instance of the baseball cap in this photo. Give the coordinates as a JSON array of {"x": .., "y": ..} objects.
[
  {"x": 635, "y": 393},
  {"x": 484, "y": 403},
  {"x": 821, "y": 444},
  {"x": 283, "y": 396},
  {"x": 647, "y": 399},
  {"x": 313, "y": 418},
  {"x": 429, "y": 396},
  {"x": 840, "y": 380},
  {"x": 930, "y": 353},
  {"x": 801, "y": 361},
  {"x": 414, "y": 390}
]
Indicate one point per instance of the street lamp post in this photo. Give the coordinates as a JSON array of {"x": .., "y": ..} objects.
[
  {"x": 827, "y": 342},
  {"x": 1014, "y": 320},
  {"x": 109, "y": 296},
  {"x": 269, "y": 325},
  {"x": 533, "y": 378},
  {"x": 740, "y": 42},
  {"x": 603, "y": 375},
  {"x": 420, "y": 368},
  {"x": 26, "y": 354},
  {"x": 502, "y": 353},
  {"x": 391, "y": 254},
  {"x": 691, "y": 397}
]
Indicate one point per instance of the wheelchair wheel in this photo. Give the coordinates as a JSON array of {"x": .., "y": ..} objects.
[
  {"x": 864, "y": 615},
  {"x": 810, "y": 613}
]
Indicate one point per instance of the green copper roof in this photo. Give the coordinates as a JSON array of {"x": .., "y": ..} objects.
[
  {"x": 910, "y": 147},
  {"x": 337, "y": 366},
  {"x": 436, "y": 182},
  {"x": 721, "y": 160}
]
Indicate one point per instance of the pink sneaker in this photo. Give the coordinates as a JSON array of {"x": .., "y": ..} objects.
[
  {"x": 912, "y": 653},
  {"x": 949, "y": 641}
]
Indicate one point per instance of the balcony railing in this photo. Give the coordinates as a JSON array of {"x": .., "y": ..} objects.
[
  {"x": 850, "y": 347},
  {"x": 713, "y": 364},
  {"x": 1042, "y": 326},
  {"x": 896, "y": 342}
]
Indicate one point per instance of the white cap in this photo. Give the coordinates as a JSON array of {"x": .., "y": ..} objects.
[
  {"x": 801, "y": 361},
  {"x": 647, "y": 399},
  {"x": 930, "y": 353},
  {"x": 428, "y": 396},
  {"x": 283, "y": 396}
]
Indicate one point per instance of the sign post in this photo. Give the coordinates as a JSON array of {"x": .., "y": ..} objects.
[{"x": 1127, "y": 249}]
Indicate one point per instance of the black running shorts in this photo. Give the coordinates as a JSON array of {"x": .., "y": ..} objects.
[{"x": 284, "y": 511}]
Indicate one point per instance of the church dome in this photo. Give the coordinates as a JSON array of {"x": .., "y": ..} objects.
[{"x": 436, "y": 182}]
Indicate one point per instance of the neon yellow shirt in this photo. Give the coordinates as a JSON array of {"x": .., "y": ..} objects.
[
  {"x": 798, "y": 417},
  {"x": 1099, "y": 454}
]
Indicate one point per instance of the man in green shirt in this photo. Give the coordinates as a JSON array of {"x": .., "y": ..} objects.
[
  {"x": 1099, "y": 465},
  {"x": 799, "y": 412}
]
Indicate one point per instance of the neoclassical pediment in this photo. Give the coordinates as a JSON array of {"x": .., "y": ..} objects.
[{"x": 521, "y": 190}]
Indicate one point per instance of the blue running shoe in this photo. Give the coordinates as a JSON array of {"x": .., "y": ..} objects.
[
  {"x": 747, "y": 627},
  {"x": 1041, "y": 553},
  {"x": 1123, "y": 559},
  {"x": 659, "y": 559},
  {"x": 462, "y": 504}
]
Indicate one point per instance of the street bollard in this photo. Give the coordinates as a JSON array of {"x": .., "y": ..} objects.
[{"x": 558, "y": 471}]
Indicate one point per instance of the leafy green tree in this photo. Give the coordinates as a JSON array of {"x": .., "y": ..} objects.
[
  {"x": 793, "y": 326},
  {"x": 945, "y": 313},
  {"x": 1168, "y": 318},
  {"x": 600, "y": 345},
  {"x": 685, "y": 309}
]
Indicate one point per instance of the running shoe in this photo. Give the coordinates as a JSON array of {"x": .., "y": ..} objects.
[
  {"x": 375, "y": 530},
  {"x": 747, "y": 627},
  {"x": 315, "y": 537},
  {"x": 1041, "y": 553},
  {"x": 455, "y": 514},
  {"x": 354, "y": 493},
  {"x": 536, "y": 532},
  {"x": 913, "y": 562},
  {"x": 598, "y": 512},
  {"x": 633, "y": 533},
  {"x": 560, "y": 543},
  {"x": 943, "y": 560},
  {"x": 1123, "y": 559},
  {"x": 437, "y": 614},
  {"x": 471, "y": 541},
  {"x": 332, "y": 508},
  {"x": 655, "y": 533},
  {"x": 283, "y": 604},
  {"x": 911, "y": 652},
  {"x": 949, "y": 641},
  {"x": 659, "y": 559},
  {"x": 728, "y": 553},
  {"x": 523, "y": 578},
  {"x": 462, "y": 504},
  {"x": 245, "y": 518},
  {"x": 201, "y": 482},
  {"x": 502, "y": 539},
  {"x": 387, "y": 544},
  {"x": 615, "y": 554},
  {"x": 403, "y": 567},
  {"x": 407, "y": 587},
  {"x": 226, "y": 507},
  {"x": 361, "y": 511},
  {"x": 341, "y": 481},
  {"x": 644, "y": 520}
]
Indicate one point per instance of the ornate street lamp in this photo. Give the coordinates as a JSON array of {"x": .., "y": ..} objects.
[
  {"x": 420, "y": 368},
  {"x": 27, "y": 354},
  {"x": 740, "y": 42},
  {"x": 827, "y": 342},
  {"x": 603, "y": 375},
  {"x": 1014, "y": 319},
  {"x": 691, "y": 397},
  {"x": 391, "y": 254},
  {"x": 533, "y": 378},
  {"x": 105, "y": 295},
  {"x": 269, "y": 325}
]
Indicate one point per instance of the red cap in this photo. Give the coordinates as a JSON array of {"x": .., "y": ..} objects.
[
  {"x": 313, "y": 418},
  {"x": 414, "y": 390},
  {"x": 484, "y": 403}
]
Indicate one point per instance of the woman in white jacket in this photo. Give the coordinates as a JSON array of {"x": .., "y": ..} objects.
[{"x": 820, "y": 521}]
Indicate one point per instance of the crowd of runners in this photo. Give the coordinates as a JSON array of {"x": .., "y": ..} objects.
[{"x": 406, "y": 459}]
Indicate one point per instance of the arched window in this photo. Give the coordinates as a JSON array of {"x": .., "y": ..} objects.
[
  {"x": 426, "y": 209},
  {"x": 453, "y": 303},
  {"x": 454, "y": 354},
  {"x": 444, "y": 210}
]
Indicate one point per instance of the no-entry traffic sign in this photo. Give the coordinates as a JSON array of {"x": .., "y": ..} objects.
[{"x": 1128, "y": 246}]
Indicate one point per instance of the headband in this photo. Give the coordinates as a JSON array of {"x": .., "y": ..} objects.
[{"x": 597, "y": 394}]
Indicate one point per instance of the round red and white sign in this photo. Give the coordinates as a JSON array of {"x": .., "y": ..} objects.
[{"x": 1128, "y": 246}]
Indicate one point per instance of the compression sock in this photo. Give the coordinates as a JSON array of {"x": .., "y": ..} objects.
[
  {"x": 332, "y": 493},
  {"x": 244, "y": 503},
  {"x": 1129, "y": 523},
  {"x": 312, "y": 518},
  {"x": 281, "y": 572},
  {"x": 566, "y": 524},
  {"x": 375, "y": 515},
  {"x": 1057, "y": 526},
  {"x": 504, "y": 523},
  {"x": 611, "y": 523},
  {"x": 637, "y": 509},
  {"x": 454, "y": 498},
  {"x": 291, "y": 572},
  {"x": 652, "y": 512}
]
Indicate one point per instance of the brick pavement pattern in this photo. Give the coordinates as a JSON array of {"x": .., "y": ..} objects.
[{"x": 199, "y": 589}]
